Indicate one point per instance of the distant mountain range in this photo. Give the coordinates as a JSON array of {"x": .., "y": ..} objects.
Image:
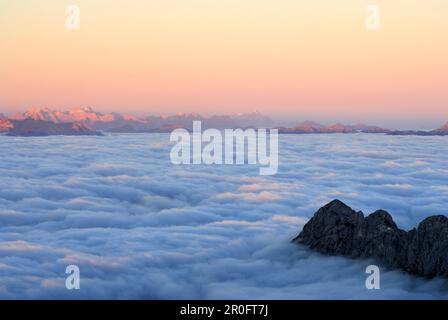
[
  {"x": 31, "y": 127},
  {"x": 117, "y": 122},
  {"x": 313, "y": 127},
  {"x": 84, "y": 120}
]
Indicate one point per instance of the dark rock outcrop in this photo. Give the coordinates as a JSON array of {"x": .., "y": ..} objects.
[{"x": 336, "y": 229}]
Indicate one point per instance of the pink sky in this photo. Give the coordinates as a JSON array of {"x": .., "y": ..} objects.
[{"x": 307, "y": 59}]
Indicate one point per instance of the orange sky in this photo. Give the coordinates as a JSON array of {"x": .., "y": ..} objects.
[{"x": 309, "y": 59}]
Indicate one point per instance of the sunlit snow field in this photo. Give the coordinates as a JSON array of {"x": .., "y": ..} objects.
[{"x": 139, "y": 227}]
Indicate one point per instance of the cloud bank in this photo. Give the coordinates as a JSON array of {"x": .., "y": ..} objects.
[{"x": 139, "y": 227}]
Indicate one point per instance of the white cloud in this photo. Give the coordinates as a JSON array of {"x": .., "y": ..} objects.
[{"x": 139, "y": 227}]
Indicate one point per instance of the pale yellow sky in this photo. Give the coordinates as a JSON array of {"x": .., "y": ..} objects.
[{"x": 290, "y": 57}]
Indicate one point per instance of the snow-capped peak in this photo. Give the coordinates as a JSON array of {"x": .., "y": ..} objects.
[{"x": 82, "y": 110}]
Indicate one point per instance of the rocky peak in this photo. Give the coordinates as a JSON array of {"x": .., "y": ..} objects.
[
  {"x": 336, "y": 229},
  {"x": 337, "y": 207},
  {"x": 5, "y": 125}
]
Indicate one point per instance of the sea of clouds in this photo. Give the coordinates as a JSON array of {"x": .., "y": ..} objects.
[{"x": 139, "y": 227}]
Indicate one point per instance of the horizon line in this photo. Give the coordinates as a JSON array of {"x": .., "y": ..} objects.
[{"x": 278, "y": 119}]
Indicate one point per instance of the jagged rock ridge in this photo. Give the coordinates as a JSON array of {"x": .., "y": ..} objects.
[{"x": 336, "y": 229}]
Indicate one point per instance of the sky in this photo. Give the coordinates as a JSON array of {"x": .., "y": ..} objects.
[{"x": 304, "y": 59}]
